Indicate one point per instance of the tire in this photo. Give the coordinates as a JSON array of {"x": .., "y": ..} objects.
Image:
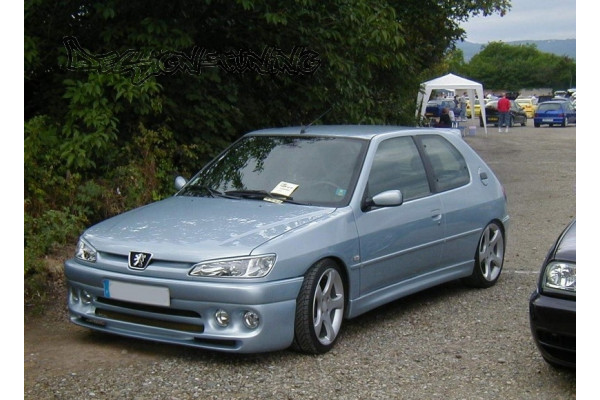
[
  {"x": 320, "y": 308},
  {"x": 524, "y": 123},
  {"x": 536, "y": 124},
  {"x": 564, "y": 123},
  {"x": 489, "y": 258}
]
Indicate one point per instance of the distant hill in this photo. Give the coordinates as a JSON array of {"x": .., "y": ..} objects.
[{"x": 566, "y": 47}]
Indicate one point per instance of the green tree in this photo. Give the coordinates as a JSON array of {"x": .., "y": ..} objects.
[{"x": 513, "y": 67}]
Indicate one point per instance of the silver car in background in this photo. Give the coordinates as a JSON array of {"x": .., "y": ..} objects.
[{"x": 289, "y": 232}]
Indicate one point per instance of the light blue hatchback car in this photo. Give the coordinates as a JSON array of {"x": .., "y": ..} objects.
[{"x": 289, "y": 232}]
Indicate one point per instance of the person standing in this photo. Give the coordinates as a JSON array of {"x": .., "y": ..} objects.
[
  {"x": 503, "y": 113},
  {"x": 463, "y": 107}
]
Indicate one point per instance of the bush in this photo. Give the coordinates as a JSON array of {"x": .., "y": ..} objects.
[{"x": 60, "y": 203}]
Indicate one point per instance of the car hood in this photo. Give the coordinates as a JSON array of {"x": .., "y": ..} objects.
[
  {"x": 566, "y": 248},
  {"x": 181, "y": 228}
]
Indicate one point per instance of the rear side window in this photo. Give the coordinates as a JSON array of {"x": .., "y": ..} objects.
[
  {"x": 447, "y": 163},
  {"x": 549, "y": 107}
]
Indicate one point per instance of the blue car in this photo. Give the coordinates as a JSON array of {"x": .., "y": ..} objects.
[
  {"x": 434, "y": 107},
  {"x": 288, "y": 233},
  {"x": 554, "y": 112},
  {"x": 552, "y": 305}
]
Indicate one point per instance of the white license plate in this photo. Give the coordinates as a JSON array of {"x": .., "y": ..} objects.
[
  {"x": 153, "y": 295},
  {"x": 548, "y": 120}
]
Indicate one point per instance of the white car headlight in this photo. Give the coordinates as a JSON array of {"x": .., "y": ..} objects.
[
  {"x": 560, "y": 277},
  {"x": 85, "y": 251},
  {"x": 242, "y": 267}
]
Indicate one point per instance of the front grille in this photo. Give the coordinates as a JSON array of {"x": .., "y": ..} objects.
[
  {"x": 179, "y": 326},
  {"x": 147, "y": 308},
  {"x": 105, "y": 312}
]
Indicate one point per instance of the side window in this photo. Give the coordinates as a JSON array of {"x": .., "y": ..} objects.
[
  {"x": 398, "y": 165},
  {"x": 449, "y": 166}
]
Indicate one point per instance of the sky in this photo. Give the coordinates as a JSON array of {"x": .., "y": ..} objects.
[{"x": 526, "y": 20}]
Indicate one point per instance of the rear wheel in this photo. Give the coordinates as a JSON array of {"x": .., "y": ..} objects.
[
  {"x": 320, "y": 308},
  {"x": 489, "y": 258}
]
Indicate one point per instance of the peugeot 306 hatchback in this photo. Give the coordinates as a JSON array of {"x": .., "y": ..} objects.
[{"x": 288, "y": 233}]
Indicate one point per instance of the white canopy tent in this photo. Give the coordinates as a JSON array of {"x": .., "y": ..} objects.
[{"x": 456, "y": 83}]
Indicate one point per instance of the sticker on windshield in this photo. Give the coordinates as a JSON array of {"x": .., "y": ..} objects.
[{"x": 284, "y": 189}]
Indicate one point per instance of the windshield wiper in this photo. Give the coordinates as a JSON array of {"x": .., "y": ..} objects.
[
  {"x": 203, "y": 190},
  {"x": 261, "y": 195}
]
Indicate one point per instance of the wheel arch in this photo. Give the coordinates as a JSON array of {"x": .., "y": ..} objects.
[
  {"x": 345, "y": 273},
  {"x": 502, "y": 226}
]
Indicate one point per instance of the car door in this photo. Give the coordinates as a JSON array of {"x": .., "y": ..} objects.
[
  {"x": 460, "y": 199},
  {"x": 517, "y": 113},
  {"x": 570, "y": 112},
  {"x": 402, "y": 242}
]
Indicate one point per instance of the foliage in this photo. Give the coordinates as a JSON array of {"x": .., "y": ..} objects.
[
  {"x": 512, "y": 67},
  {"x": 122, "y": 96}
]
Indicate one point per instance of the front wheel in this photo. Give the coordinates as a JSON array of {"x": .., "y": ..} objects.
[
  {"x": 489, "y": 258},
  {"x": 320, "y": 308}
]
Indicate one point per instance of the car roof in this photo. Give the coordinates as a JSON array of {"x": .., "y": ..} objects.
[
  {"x": 440, "y": 101},
  {"x": 350, "y": 131}
]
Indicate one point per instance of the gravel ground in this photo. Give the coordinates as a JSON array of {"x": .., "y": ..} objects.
[{"x": 449, "y": 342}]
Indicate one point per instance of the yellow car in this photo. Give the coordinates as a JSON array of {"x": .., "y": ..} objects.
[
  {"x": 477, "y": 108},
  {"x": 529, "y": 104}
]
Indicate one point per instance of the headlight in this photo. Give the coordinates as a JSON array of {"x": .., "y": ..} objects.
[
  {"x": 85, "y": 251},
  {"x": 560, "y": 277},
  {"x": 243, "y": 267}
]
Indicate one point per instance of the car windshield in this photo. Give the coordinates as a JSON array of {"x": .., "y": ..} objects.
[{"x": 300, "y": 169}]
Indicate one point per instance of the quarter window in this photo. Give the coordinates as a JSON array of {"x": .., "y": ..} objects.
[{"x": 448, "y": 165}]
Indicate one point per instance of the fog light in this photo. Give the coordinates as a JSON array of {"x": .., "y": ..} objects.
[
  {"x": 74, "y": 295},
  {"x": 251, "y": 319},
  {"x": 86, "y": 298},
  {"x": 222, "y": 318}
]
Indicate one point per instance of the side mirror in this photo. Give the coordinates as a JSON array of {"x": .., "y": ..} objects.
[
  {"x": 180, "y": 182},
  {"x": 389, "y": 198}
]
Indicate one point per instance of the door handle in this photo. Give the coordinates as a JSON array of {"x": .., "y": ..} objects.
[{"x": 436, "y": 216}]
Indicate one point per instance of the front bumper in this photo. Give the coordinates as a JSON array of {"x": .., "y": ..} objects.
[
  {"x": 189, "y": 318},
  {"x": 553, "y": 326}
]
